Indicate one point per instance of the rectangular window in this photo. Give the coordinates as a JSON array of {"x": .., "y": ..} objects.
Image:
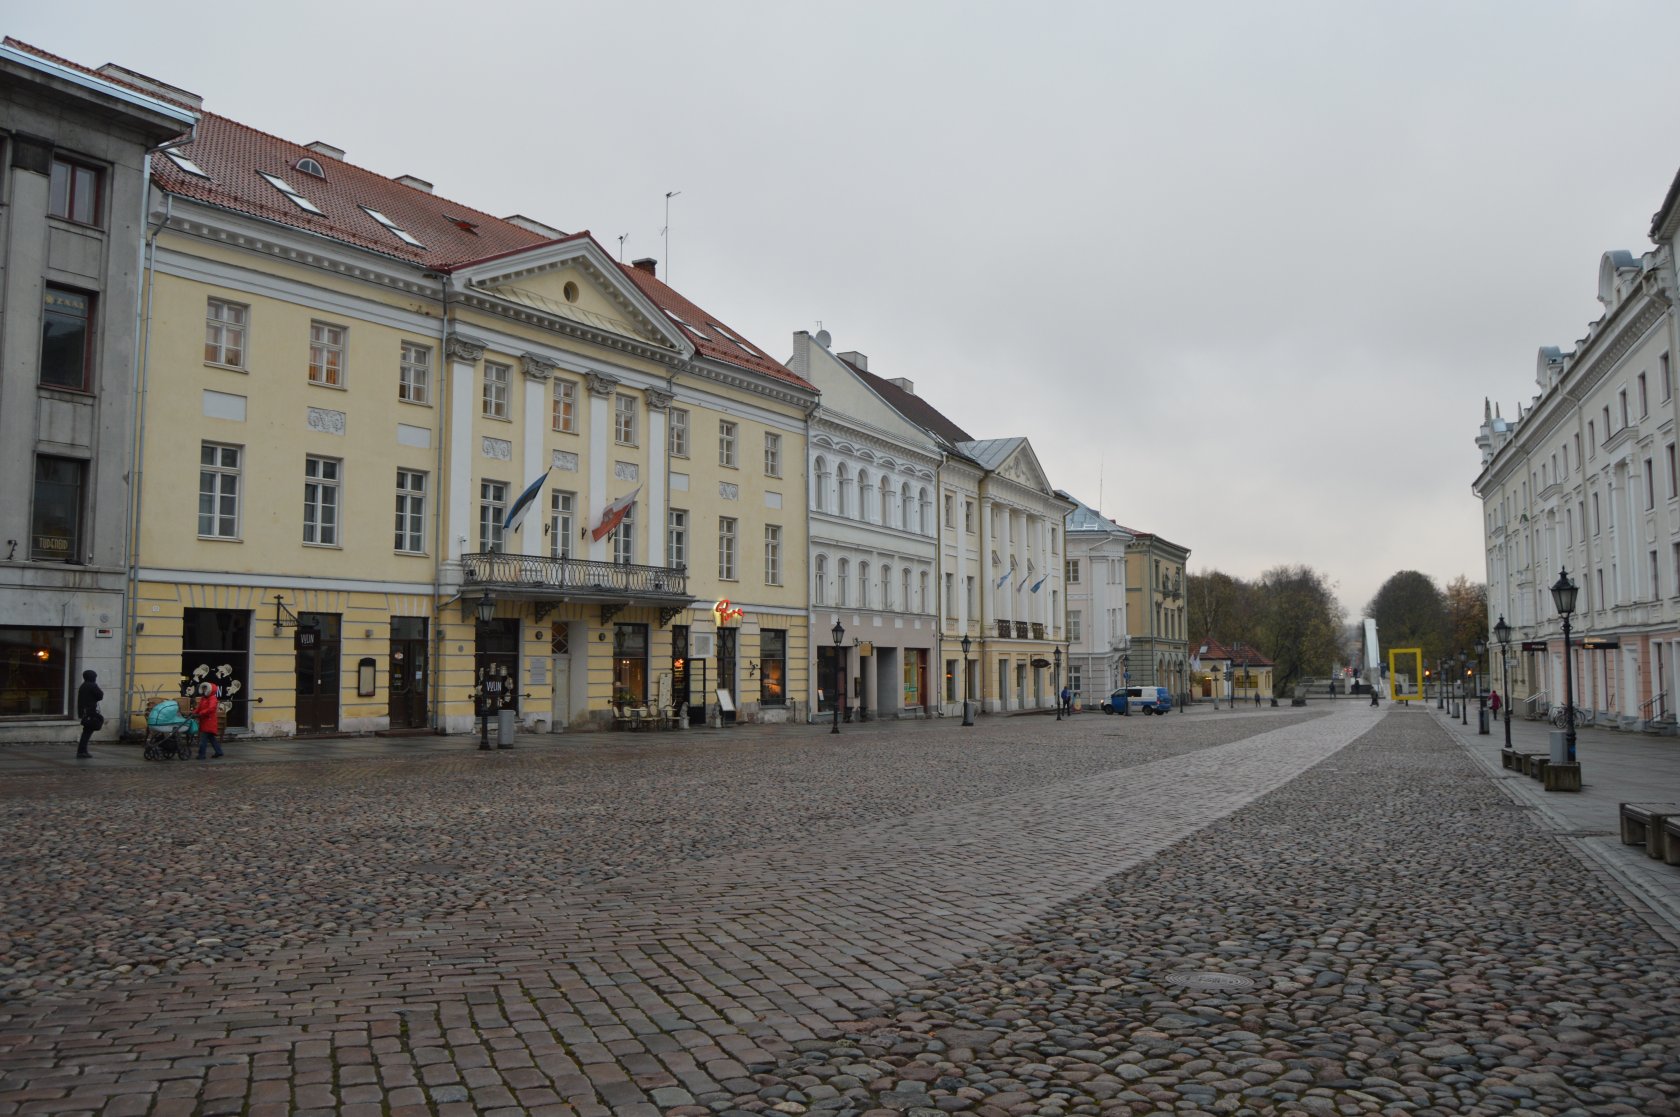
[
  {"x": 218, "y": 490},
  {"x": 968, "y": 518},
  {"x": 1656, "y": 578},
  {"x": 1072, "y": 572},
  {"x": 74, "y": 192},
  {"x": 224, "y": 333},
  {"x": 1622, "y": 400},
  {"x": 561, "y": 507},
  {"x": 624, "y": 538},
  {"x": 950, "y": 511},
  {"x": 66, "y": 338},
  {"x": 772, "y": 667},
  {"x": 495, "y": 400},
  {"x": 726, "y": 548},
  {"x": 326, "y": 355},
  {"x": 950, "y": 597},
  {"x": 1676, "y": 564},
  {"x": 726, "y": 443},
  {"x": 1667, "y": 385},
  {"x": 35, "y": 672},
  {"x": 772, "y": 555},
  {"x": 1597, "y": 526},
  {"x": 1668, "y": 452},
  {"x": 565, "y": 406},
  {"x": 772, "y": 454},
  {"x": 678, "y": 424},
  {"x": 972, "y": 612},
  {"x": 676, "y": 537},
  {"x": 1607, "y": 430},
  {"x": 1650, "y": 485},
  {"x": 411, "y": 512},
  {"x": 320, "y": 500},
  {"x": 1644, "y": 398},
  {"x": 950, "y": 679},
  {"x": 1074, "y": 619},
  {"x": 55, "y": 517},
  {"x": 624, "y": 420},
  {"x": 492, "y": 509},
  {"x": 414, "y": 373}
]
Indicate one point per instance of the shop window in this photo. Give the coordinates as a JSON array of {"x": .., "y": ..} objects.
[
  {"x": 55, "y": 528},
  {"x": 66, "y": 339},
  {"x": 34, "y": 672},
  {"x": 772, "y": 667}
]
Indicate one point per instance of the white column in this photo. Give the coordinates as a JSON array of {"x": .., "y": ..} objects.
[
  {"x": 537, "y": 370},
  {"x": 600, "y": 458},
  {"x": 654, "y": 495},
  {"x": 988, "y": 574},
  {"x": 463, "y": 354}
]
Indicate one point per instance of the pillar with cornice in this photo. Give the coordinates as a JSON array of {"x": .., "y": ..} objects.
[
  {"x": 462, "y": 354},
  {"x": 601, "y": 389},
  {"x": 538, "y": 372},
  {"x": 658, "y": 473}
]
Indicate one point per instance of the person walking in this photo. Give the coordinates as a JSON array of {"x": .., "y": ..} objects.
[
  {"x": 1067, "y": 701},
  {"x": 208, "y": 712},
  {"x": 88, "y": 696},
  {"x": 1494, "y": 703}
]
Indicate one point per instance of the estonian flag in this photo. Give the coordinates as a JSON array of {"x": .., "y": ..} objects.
[
  {"x": 1039, "y": 583},
  {"x": 614, "y": 514},
  {"x": 516, "y": 514},
  {"x": 1004, "y": 581}
]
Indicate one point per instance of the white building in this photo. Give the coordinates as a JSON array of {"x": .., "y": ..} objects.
[{"x": 1095, "y": 577}]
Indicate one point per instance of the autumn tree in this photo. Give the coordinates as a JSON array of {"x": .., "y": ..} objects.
[
  {"x": 1466, "y": 615},
  {"x": 1221, "y": 606},
  {"x": 1411, "y": 612},
  {"x": 1300, "y": 623}
]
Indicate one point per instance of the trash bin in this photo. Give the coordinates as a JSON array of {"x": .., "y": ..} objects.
[
  {"x": 1482, "y": 721},
  {"x": 1560, "y": 747},
  {"x": 504, "y": 729}
]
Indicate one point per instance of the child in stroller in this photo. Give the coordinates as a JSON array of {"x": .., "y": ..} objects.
[{"x": 170, "y": 734}]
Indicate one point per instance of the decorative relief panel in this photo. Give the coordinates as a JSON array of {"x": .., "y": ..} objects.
[
  {"x": 728, "y": 490},
  {"x": 626, "y": 471},
  {"x": 566, "y": 460},
  {"x": 499, "y": 448},
  {"x": 600, "y": 384},
  {"x": 325, "y": 421},
  {"x": 537, "y": 368},
  {"x": 460, "y": 347},
  {"x": 658, "y": 399}
]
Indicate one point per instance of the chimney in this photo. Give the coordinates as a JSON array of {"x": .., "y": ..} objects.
[
  {"x": 419, "y": 184},
  {"x": 327, "y": 149},
  {"x": 647, "y": 264},
  {"x": 907, "y": 386},
  {"x": 855, "y": 358},
  {"x": 152, "y": 86}
]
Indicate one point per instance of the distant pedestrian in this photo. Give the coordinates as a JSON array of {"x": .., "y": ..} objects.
[
  {"x": 1373, "y": 694},
  {"x": 88, "y": 696},
  {"x": 1067, "y": 700},
  {"x": 1332, "y": 688},
  {"x": 1495, "y": 703},
  {"x": 1257, "y": 698},
  {"x": 208, "y": 712}
]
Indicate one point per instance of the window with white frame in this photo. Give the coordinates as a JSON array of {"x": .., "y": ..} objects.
[
  {"x": 819, "y": 581},
  {"x": 564, "y": 417},
  {"x": 562, "y": 522},
  {"x": 1075, "y": 619},
  {"x": 321, "y": 500},
  {"x": 677, "y": 435},
  {"x": 904, "y": 590},
  {"x": 772, "y": 454},
  {"x": 414, "y": 373},
  {"x": 224, "y": 333},
  {"x": 922, "y": 601},
  {"x": 726, "y": 548},
  {"x": 819, "y": 489},
  {"x": 842, "y": 484},
  {"x": 968, "y": 516},
  {"x": 772, "y": 555},
  {"x": 727, "y": 432},
  {"x": 497, "y": 377},
  {"x": 411, "y": 512},
  {"x": 624, "y": 420},
  {"x": 1072, "y": 575},
  {"x": 842, "y": 574},
  {"x": 624, "y": 539},
  {"x": 886, "y": 586},
  {"x": 218, "y": 490},
  {"x": 326, "y": 354},
  {"x": 906, "y": 510},
  {"x": 950, "y": 597},
  {"x": 924, "y": 521},
  {"x": 676, "y": 537},
  {"x": 863, "y": 585},
  {"x": 950, "y": 511},
  {"x": 492, "y": 509}
]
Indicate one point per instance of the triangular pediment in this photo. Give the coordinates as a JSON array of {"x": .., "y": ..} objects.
[
  {"x": 1010, "y": 458},
  {"x": 574, "y": 279}
]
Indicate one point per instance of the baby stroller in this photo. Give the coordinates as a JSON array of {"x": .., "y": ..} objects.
[{"x": 170, "y": 734}]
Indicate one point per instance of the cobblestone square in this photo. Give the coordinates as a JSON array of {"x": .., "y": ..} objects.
[{"x": 1324, "y": 911}]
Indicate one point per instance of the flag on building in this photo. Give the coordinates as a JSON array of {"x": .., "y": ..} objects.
[
  {"x": 614, "y": 514},
  {"x": 1023, "y": 583},
  {"x": 1004, "y": 581},
  {"x": 516, "y": 514},
  {"x": 1042, "y": 579}
]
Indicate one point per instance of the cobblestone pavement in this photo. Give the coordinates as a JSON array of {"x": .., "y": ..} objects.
[{"x": 991, "y": 922}]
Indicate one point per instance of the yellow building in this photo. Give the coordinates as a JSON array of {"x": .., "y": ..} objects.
[
  {"x": 359, "y": 381},
  {"x": 1158, "y": 651}
]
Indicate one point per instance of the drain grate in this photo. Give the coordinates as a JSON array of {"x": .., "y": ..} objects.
[{"x": 1210, "y": 981}]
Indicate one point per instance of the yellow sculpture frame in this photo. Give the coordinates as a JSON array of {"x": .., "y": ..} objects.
[{"x": 1404, "y": 655}]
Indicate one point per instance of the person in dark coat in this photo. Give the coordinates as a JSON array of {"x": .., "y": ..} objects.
[{"x": 88, "y": 697}]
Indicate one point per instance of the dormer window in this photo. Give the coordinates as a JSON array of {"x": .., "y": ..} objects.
[
  {"x": 299, "y": 200},
  {"x": 462, "y": 224},
  {"x": 309, "y": 166},
  {"x": 400, "y": 233},
  {"x": 186, "y": 164}
]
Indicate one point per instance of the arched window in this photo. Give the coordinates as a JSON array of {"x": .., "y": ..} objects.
[
  {"x": 925, "y": 524},
  {"x": 905, "y": 509},
  {"x": 841, "y": 588},
  {"x": 842, "y": 482},
  {"x": 819, "y": 581},
  {"x": 905, "y": 600},
  {"x": 922, "y": 605},
  {"x": 863, "y": 585},
  {"x": 886, "y": 502},
  {"x": 865, "y": 496},
  {"x": 819, "y": 497}
]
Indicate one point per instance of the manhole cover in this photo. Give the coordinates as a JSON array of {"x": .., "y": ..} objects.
[{"x": 1210, "y": 981}]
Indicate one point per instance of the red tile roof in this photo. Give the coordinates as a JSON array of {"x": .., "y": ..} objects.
[
  {"x": 1245, "y": 653},
  {"x": 453, "y": 235},
  {"x": 914, "y": 408}
]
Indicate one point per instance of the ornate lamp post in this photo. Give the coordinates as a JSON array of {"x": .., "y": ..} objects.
[
  {"x": 1056, "y": 682},
  {"x": 485, "y": 611},
  {"x": 1481, "y": 691},
  {"x": 1502, "y": 633},
  {"x": 1563, "y": 596},
  {"x": 968, "y": 714},
  {"x": 839, "y": 633}
]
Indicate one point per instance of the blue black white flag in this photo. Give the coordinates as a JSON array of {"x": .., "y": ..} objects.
[{"x": 516, "y": 514}]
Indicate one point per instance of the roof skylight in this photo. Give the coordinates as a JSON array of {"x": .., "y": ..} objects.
[
  {"x": 281, "y": 185},
  {"x": 186, "y": 164},
  {"x": 401, "y": 233},
  {"x": 741, "y": 344},
  {"x": 690, "y": 325},
  {"x": 309, "y": 166}
]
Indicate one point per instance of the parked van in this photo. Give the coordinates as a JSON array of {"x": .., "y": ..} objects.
[{"x": 1148, "y": 699}]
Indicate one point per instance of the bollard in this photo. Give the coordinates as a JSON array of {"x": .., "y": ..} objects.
[{"x": 504, "y": 729}]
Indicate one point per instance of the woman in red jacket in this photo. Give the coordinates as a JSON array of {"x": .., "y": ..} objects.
[{"x": 207, "y": 711}]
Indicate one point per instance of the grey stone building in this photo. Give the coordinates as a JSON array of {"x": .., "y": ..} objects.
[{"x": 75, "y": 150}]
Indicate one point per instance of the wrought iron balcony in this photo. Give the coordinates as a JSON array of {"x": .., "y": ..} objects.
[
  {"x": 1004, "y": 628},
  {"x": 1037, "y": 630},
  {"x": 1021, "y": 630},
  {"x": 536, "y": 576}
]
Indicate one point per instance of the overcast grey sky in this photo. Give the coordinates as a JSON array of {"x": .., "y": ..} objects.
[{"x": 1243, "y": 272}]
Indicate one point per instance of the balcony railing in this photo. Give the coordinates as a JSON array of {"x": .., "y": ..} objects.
[
  {"x": 1037, "y": 630},
  {"x": 579, "y": 577},
  {"x": 1021, "y": 630},
  {"x": 1004, "y": 629}
]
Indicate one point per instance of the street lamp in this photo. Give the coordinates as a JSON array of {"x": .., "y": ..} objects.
[
  {"x": 968, "y": 714},
  {"x": 1440, "y": 685},
  {"x": 1056, "y": 682},
  {"x": 485, "y": 611},
  {"x": 1502, "y": 633},
  {"x": 1563, "y": 596},
  {"x": 1481, "y": 691},
  {"x": 839, "y": 632}
]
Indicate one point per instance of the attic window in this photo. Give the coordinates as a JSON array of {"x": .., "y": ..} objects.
[
  {"x": 694, "y": 328},
  {"x": 281, "y": 185},
  {"x": 401, "y": 234},
  {"x": 309, "y": 166},
  {"x": 570, "y": 291},
  {"x": 186, "y": 164}
]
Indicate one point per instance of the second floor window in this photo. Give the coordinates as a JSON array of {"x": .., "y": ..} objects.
[
  {"x": 565, "y": 406},
  {"x": 772, "y": 454},
  {"x": 624, "y": 539},
  {"x": 560, "y": 523},
  {"x": 726, "y": 548},
  {"x": 74, "y": 192},
  {"x": 772, "y": 555},
  {"x": 224, "y": 333},
  {"x": 320, "y": 501},
  {"x": 679, "y": 432},
  {"x": 624, "y": 420},
  {"x": 495, "y": 402},
  {"x": 414, "y": 374},
  {"x": 66, "y": 339},
  {"x": 411, "y": 512},
  {"x": 326, "y": 355},
  {"x": 726, "y": 443},
  {"x": 218, "y": 490},
  {"x": 1072, "y": 572},
  {"x": 676, "y": 537},
  {"x": 492, "y": 509}
]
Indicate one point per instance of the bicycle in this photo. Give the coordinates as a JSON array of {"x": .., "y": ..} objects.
[{"x": 1558, "y": 717}]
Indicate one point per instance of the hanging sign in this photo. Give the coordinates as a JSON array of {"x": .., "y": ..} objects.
[{"x": 726, "y": 612}]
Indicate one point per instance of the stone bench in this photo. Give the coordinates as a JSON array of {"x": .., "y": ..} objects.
[
  {"x": 1534, "y": 764},
  {"x": 1671, "y": 839},
  {"x": 1646, "y": 824}
]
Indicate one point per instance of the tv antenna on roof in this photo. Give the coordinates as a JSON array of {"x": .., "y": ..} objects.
[
  {"x": 666, "y": 231},
  {"x": 621, "y": 239}
]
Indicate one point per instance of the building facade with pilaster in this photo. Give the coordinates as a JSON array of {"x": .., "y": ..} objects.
[
  {"x": 1155, "y": 613},
  {"x": 1098, "y": 643}
]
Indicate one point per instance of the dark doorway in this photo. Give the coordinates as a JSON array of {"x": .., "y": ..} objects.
[
  {"x": 498, "y": 653},
  {"x": 630, "y": 664},
  {"x": 679, "y": 665},
  {"x": 216, "y": 647},
  {"x": 407, "y": 691},
  {"x": 317, "y": 665},
  {"x": 828, "y": 678},
  {"x": 728, "y": 643}
]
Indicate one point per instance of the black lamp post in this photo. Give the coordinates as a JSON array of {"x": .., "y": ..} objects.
[
  {"x": 485, "y": 611},
  {"x": 1464, "y": 688},
  {"x": 1502, "y": 633},
  {"x": 1440, "y": 686},
  {"x": 839, "y": 633},
  {"x": 1563, "y": 596},
  {"x": 968, "y": 714},
  {"x": 1056, "y": 682},
  {"x": 1481, "y": 691}
]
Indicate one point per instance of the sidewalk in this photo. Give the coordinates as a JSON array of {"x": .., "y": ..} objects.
[{"x": 1616, "y": 768}]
